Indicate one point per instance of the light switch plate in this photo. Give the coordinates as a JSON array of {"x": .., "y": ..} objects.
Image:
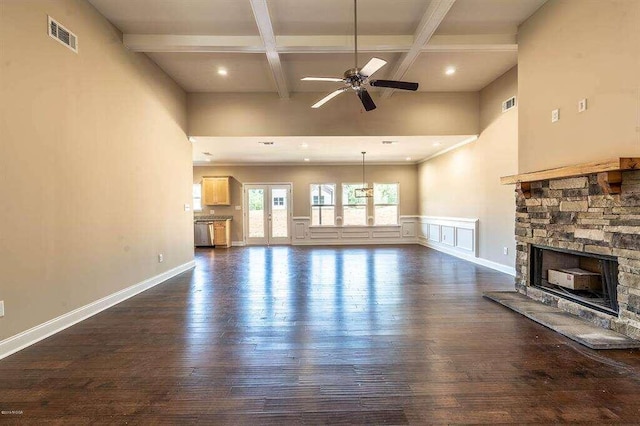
[
  {"x": 187, "y": 207},
  {"x": 1, "y": 308},
  {"x": 582, "y": 105},
  {"x": 555, "y": 115},
  {"x": 238, "y": 207}
]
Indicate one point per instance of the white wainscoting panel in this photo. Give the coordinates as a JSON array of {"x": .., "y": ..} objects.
[
  {"x": 403, "y": 233},
  {"x": 450, "y": 234},
  {"x": 465, "y": 238},
  {"x": 432, "y": 231}
]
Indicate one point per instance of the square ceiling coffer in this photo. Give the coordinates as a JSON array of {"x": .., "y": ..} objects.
[{"x": 62, "y": 35}]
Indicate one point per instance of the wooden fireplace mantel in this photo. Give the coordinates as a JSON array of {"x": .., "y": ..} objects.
[{"x": 609, "y": 174}]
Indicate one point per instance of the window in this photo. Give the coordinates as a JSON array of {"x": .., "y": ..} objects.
[
  {"x": 318, "y": 199},
  {"x": 323, "y": 204},
  {"x": 385, "y": 203},
  {"x": 278, "y": 201},
  {"x": 354, "y": 209},
  {"x": 197, "y": 197}
]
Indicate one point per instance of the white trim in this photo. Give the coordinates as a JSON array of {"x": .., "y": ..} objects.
[
  {"x": 27, "y": 338},
  {"x": 477, "y": 260},
  {"x": 238, "y": 244},
  {"x": 451, "y": 148},
  {"x": 431, "y": 19}
]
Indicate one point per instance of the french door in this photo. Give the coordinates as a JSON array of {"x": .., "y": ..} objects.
[{"x": 267, "y": 214}]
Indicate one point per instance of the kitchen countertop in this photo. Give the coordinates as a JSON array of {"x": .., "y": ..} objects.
[{"x": 210, "y": 218}]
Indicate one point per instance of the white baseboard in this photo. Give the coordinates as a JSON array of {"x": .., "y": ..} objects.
[
  {"x": 238, "y": 244},
  {"x": 338, "y": 242},
  {"x": 477, "y": 260},
  {"x": 20, "y": 341}
]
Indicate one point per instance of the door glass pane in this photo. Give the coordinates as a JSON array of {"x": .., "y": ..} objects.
[
  {"x": 279, "y": 213},
  {"x": 256, "y": 213}
]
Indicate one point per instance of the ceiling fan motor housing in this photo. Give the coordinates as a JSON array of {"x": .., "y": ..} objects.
[{"x": 353, "y": 78}]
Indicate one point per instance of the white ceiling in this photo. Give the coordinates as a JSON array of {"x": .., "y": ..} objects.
[
  {"x": 322, "y": 150},
  {"x": 269, "y": 45}
]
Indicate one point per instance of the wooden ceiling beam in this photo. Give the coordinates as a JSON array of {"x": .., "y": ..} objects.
[
  {"x": 316, "y": 43},
  {"x": 433, "y": 16},
  {"x": 265, "y": 27}
]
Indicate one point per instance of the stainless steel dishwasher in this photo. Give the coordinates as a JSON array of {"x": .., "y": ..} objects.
[{"x": 203, "y": 234}]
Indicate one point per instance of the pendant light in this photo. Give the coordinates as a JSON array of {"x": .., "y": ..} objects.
[{"x": 363, "y": 192}]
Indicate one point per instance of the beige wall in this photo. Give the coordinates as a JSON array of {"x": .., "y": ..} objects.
[
  {"x": 264, "y": 114},
  {"x": 466, "y": 182},
  {"x": 574, "y": 49},
  {"x": 88, "y": 142},
  {"x": 303, "y": 176}
]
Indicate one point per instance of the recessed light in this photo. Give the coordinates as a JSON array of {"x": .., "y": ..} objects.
[
  {"x": 389, "y": 142},
  {"x": 408, "y": 158},
  {"x": 267, "y": 143},
  {"x": 208, "y": 160},
  {"x": 222, "y": 71},
  {"x": 192, "y": 139},
  {"x": 450, "y": 70},
  {"x": 306, "y": 159},
  {"x": 304, "y": 145},
  {"x": 437, "y": 144}
]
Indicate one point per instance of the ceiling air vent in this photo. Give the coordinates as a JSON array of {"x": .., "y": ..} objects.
[
  {"x": 508, "y": 104},
  {"x": 62, "y": 35}
]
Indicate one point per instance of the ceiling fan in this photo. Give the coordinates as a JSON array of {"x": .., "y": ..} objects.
[{"x": 356, "y": 78}]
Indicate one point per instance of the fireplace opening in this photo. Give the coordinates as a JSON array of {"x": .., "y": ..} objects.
[{"x": 588, "y": 279}]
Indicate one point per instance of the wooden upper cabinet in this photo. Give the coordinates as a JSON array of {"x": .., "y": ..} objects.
[{"x": 215, "y": 191}]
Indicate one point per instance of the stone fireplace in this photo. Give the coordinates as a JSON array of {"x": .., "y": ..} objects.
[{"x": 589, "y": 221}]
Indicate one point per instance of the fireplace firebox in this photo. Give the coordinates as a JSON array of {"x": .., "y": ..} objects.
[{"x": 601, "y": 291}]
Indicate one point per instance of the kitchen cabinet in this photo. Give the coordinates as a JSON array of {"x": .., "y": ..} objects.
[
  {"x": 222, "y": 233},
  {"x": 215, "y": 191}
]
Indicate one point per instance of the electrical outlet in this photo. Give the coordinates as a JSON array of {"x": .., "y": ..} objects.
[
  {"x": 505, "y": 250},
  {"x": 160, "y": 258},
  {"x": 582, "y": 105},
  {"x": 1, "y": 308},
  {"x": 212, "y": 212},
  {"x": 238, "y": 207},
  {"x": 187, "y": 207},
  {"x": 555, "y": 115}
]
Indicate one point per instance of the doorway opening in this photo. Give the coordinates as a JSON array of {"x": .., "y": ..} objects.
[{"x": 267, "y": 214}]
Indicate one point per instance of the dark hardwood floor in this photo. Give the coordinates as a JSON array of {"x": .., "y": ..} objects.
[{"x": 377, "y": 335}]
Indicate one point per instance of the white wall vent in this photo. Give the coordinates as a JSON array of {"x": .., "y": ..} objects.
[
  {"x": 508, "y": 104},
  {"x": 62, "y": 35}
]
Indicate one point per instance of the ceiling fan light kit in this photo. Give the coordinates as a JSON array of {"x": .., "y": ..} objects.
[{"x": 356, "y": 78}]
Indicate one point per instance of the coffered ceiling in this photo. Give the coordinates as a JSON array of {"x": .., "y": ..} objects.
[{"x": 269, "y": 45}]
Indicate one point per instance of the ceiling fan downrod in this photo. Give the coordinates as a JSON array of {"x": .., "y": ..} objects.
[{"x": 355, "y": 32}]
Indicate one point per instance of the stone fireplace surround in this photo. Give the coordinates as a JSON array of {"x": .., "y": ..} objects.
[{"x": 584, "y": 214}]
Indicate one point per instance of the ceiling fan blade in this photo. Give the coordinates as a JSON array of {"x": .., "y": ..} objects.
[
  {"x": 335, "y": 80},
  {"x": 367, "y": 102},
  {"x": 328, "y": 98},
  {"x": 393, "y": 84},
  {"x": 372, "y": 66}
]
